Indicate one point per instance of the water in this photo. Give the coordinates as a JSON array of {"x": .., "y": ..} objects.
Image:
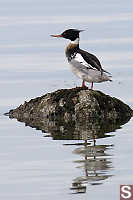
[{"x": 32, "y": 63}]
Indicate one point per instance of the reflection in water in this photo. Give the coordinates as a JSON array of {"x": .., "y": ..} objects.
[
  {"x": 61, "y": 130},
  {"x": 96, "y": 164}
]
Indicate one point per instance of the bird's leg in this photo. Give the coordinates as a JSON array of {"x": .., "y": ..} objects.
[
  {"x": 83, "y": 83},
  {"x": 92, "y": 86}
]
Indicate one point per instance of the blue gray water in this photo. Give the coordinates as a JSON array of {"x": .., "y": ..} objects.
[{"x": 33, "y": 167}]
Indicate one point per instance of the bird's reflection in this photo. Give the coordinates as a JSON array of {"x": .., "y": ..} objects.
[
  {"x": 96, "y": 164},
  {"x": 95, "y": 160}
]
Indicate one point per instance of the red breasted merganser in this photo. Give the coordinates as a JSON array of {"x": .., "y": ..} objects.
[{"x": 83, "y": 64}]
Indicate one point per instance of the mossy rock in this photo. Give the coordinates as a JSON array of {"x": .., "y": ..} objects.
[{"x": 72, "y": 106}]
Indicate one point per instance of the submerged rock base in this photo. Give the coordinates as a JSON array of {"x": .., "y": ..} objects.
[{"x": 77, "y": 109}]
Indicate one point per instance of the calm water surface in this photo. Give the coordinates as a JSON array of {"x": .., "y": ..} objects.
[{"x": 36, "y": 167}]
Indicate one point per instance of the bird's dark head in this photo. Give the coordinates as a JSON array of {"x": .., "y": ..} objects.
[{"x": 71, "y": 34}]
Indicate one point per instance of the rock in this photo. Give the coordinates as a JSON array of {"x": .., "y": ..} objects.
[{"x": 78, "y": 107}]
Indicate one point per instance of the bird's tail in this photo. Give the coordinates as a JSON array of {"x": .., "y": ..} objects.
[
  {"x": 106, "y": 71},
  {"x": 109, "y": 74}
]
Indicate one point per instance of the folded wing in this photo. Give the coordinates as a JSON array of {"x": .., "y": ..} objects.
[{"x": 91, "y": 60}]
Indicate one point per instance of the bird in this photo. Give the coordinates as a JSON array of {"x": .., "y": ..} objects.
[{"x": 84, "y": 65}]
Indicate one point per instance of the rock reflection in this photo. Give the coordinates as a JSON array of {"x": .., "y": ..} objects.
[
  {"x": 96, "y": 164},
  {"x": 61, "y": 130}
]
